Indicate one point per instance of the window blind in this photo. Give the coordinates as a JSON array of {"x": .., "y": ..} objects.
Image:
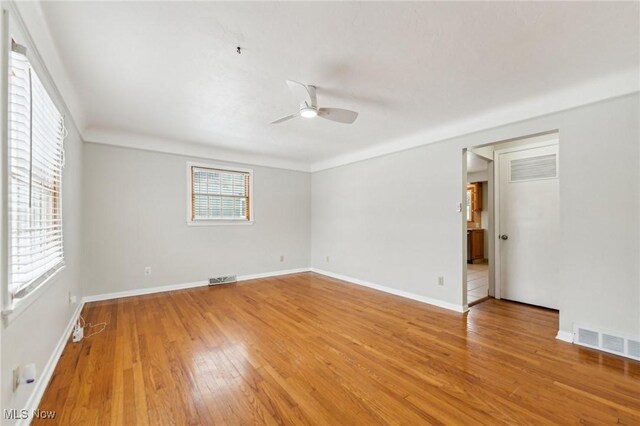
[
  {"x": 219, "y": 194},
  {"x": 35, "y": 155}
]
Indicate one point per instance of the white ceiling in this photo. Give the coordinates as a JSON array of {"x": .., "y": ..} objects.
[{"x": 170, "y": 70}]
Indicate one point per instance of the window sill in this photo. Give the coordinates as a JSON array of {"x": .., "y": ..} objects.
[
  {"x": 20, "y": 305},
  {"x": 220, "y": 223}
]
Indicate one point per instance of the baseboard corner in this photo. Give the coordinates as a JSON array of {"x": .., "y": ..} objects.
[{"x": 565, "y": 336}]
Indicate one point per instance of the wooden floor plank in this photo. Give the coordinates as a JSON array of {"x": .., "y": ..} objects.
[{"x": 307, "y": 349}]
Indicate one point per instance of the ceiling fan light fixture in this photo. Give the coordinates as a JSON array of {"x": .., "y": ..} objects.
[
  {"x": 308, "y": 112},
  {"x": 306, "y": 94}
]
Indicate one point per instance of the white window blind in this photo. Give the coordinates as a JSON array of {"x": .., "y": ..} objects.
[
  {"x": 35, "y": 151},
  {"x": 218, "y": 194}
]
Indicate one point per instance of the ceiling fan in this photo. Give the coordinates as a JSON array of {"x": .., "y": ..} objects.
[{"x": 306, "y": 95}]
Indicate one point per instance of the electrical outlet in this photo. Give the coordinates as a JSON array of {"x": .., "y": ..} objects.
[
  {"x": 440, "y": 280},
  {"x": 327, "y": 259},
  {"x": 24, "y": 375},
  {"x": 72, "y": 299},
  {"x": 147, "y": 270},
  {"x": 281, "y": 258}
]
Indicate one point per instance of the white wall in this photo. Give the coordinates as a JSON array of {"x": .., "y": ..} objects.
[
  {"x": 392, "y": 220},
  {"x": 135, "y": 216},
  {"x": 32, "y": 335},
  {"x": 599, "y": 173}
]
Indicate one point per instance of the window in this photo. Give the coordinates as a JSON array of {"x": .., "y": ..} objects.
[
  {"x": 35, "y": 156},
  {"x": 219, "y": 195}
]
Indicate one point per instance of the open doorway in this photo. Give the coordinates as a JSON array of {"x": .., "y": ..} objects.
[
  {"x": 477, "y": 213},
  {"x": 512, "y": 226}
]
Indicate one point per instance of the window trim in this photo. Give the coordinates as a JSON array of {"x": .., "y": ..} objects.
[
  {"x": 19, "y": 305},
  {"x": 218, "y": 222},
  {"x": 13, "y": 28}
]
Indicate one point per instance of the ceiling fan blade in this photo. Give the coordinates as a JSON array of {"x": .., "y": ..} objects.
[
  {"x": 337, "y": 114},
  {"x": 300, "y": 92},
  {"x": 288, "y": 117},
  {"x": 312, "y": 95}
]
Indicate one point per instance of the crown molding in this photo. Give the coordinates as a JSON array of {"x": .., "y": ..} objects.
[
  {"x": 187, "y": 149},
  {"x": 33, "y": 25},
  {"x": 608, "y": 87}
]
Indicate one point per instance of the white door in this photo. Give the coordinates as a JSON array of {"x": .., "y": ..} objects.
[{"x": 528, "y": 225}]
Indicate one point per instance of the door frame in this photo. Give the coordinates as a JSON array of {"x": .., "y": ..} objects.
[
  {"x": 488, "y": 196},
  {"x": 496, "y": 199}
]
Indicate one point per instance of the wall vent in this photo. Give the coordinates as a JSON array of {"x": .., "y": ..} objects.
[
  {"x": 608, "y": 341},
  {"x": 588, "y": 337},
  {"x": 613, "y": 343},
  {"x": 226, "y": 279},
  {"x": 533, "y": 168},
  {"x": 633, "y": 348}
]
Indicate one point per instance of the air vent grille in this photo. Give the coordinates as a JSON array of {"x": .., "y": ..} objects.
[
  {"x": 613, "y": 343},
  {"x": 607, "y": 341},
  {"x": 533, "y": 168},
  {"x": 633, "y": 348},
  {"x": 226, "y": 279},
  {"x": 588, "y": 337}
]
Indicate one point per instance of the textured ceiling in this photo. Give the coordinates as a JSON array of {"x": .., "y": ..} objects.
[{"x": 170, "y": 70}]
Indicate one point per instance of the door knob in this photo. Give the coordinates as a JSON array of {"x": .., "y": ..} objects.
[{"x": 504, "y": 237}]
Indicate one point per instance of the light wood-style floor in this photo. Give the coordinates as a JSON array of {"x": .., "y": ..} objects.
[
  {"x": 305, "y": 349},
  {"x": 477, "y": 282}
]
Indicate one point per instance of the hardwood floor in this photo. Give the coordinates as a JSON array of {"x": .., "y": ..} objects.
[{"x": 306, "y": 349}]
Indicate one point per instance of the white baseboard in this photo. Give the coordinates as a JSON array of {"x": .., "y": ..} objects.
[
  {"x": 173, "y": 287},
  {"x": 272, "y": 274},
  {"x": 412, "y": 296},
  {"x": 152, "y": 290},
  {"x": 565, "y": 336},
  {"x": 47, "y": 372},
  {"x": 143, "y": 291}
]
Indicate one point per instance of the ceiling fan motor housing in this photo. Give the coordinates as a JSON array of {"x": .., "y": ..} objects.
[{"x": 307, "y": 111}]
